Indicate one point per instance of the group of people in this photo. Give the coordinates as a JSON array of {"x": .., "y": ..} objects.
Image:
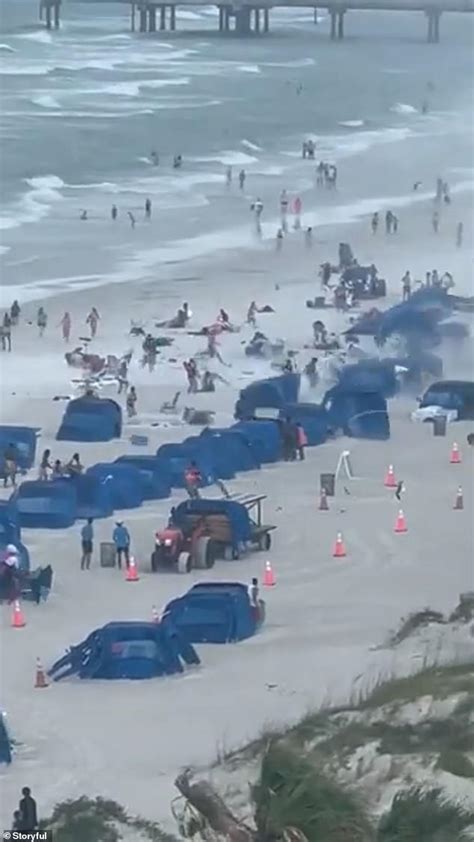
[
  {"x": 50, "y": 469},
  {"x": 120, "y": 538},
  {"x": 326, "y": 175},
  {"x": 293, "y": 440},
  {"x": 25, "y": 818},
  {"x": 432, "y": 279},
  {"x": 242, "y": 177},
  {"x": 391, "y": 222},
  {"x": 11, "y": 319}
]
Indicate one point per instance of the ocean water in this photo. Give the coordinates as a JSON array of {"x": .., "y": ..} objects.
[{"x": 83, "y": 107}]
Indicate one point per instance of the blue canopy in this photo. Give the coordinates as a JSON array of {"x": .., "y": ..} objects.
[
  {"x": 134, "y": 650},
  {"x": 238, "y": 447},
  {"x": 91, "y": 419},
  {"x": 10, "y": 532},
  {"x": 180, "y": 455},
  {"x": 5, "y": 743},
  {"x": 24, "y": 439},
  {"x": 155, "y": 474},
  {"x": 125, "y": 483},
  {"x": 370, "y": 376},
  {"x": 216, "y": 452},
  {"x": 45, "y": 505},
  {"x": 273, "y": 392},
  {"x": 94, "y": 498},
  {"x": 264, "y": 437},
  {"x": 214, "y": 612},
  {"x": 312, "y": 417},
  {"x": 237, "y": 514},
  {"x": 358, "y": 414}
]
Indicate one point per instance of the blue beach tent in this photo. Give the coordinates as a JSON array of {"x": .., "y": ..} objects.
[
  {"x": 155, "y": 473},
  {"x": 134, "y": 650},
  {"x": 214, "y": 612},
  {"x": 357, "y": 414},
  {"x": 238, "y": 448},
  {"x": 5, "y": 742},
  {"x": 45, "y": 505},
  {"x": 264, "y": 437},
  {"x": 10, "y": 532},
  {"x": 273, "y": 393},
  {"x": 91, "y": 419},
  {"x": 370, "y": 376},
  {"x": 124, "y": 482},
  {"x": 94, "y": 498},
  {"x": 180, "y": 455},
  {"x": 24, "y": 439}
]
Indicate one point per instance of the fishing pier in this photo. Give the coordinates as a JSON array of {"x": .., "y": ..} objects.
[{"x": 250, "y": 18}]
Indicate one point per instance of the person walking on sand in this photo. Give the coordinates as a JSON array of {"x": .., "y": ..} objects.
[
  {"x": 10, "y": 470},
  {"x": 228, "y": 176},
  {"x": 65, "y": 325},
  {"x": 41, "y": 320},
  {"x": 148, "y": 209},
  {"x": 114, "y": 212},
  {"x": 251, "y": 314},
  {"x": 435, "y": 221},
  {"x": 459, "y": 234},
  {"x": 406, "y": 286},
  {"x": 132, "y": 219},
  {"x": 131, "y": 402},
  {"x": 28, "y": 811},
  {"x": 121, "y": 539},
  {"x": 242, "y": 177},
  {"x": 45, "y": 466},
  {"x": 301, "y": 441},
  {"x": 93, "y": 320},
  {"x": 394, "y": 224},
  {"x": 7, "y": 332},
  {"x": 388, "y": 222},
  {"x": 284, "y": 201},
  {"x": 87, "y": 544},
  {"x": 374, "y": 223},
  {"x": 297, "y": 206},
  {"x": 15, "y": 312},
  {"x": 308, "y": 237},
  {"x": 279, "y": 239}
]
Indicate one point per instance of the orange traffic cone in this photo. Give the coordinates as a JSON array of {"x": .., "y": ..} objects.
[
  {"x": 40, "y": 680},
  {"x": 323, "y": 501},
  {"x": 455, "y": 455},
  {"x": 132, "y": 572},
  {"x": 18, "y": 620},
  {"x": 155, "y": 617},
  {"x": 390, "y": 481},
  {"x": 269, "y": 576},
  {"x": 459, "y": 501},
  {"x": 400, "y": 523},
  {"x": 339, "y": 548}
]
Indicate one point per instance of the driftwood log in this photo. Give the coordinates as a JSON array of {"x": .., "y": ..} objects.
[{"x": 210, "y": 805}]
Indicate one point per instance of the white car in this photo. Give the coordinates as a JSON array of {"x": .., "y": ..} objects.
[{"x": 429, "y": 413}]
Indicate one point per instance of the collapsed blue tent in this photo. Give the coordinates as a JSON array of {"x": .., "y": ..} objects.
[
  {"x": 239, "y": 449},
  {"x": 312, "y": 417},
  {"x": 155, "y": 473},
  {"x": 274, "y": 392},
  {"x": 24, "y": 439},
  {"x": 10, "y": 533},
  {"x": 126, "y": 486},
  {"x": 264, "y": 437},
  {"x": 179, "y": 457},
  {"x": 236, "y": 514},
  {"x": 214, "y": 612},
  {"x": 91, "y": 419},
  {"x": 5, "y": 742},
  {"x": 216, "y": 451},
  {"x": 370, "y": 376},
  {"x": 134, "y": 650},
  {"x": 357, "y": 414},
  {"x": 94, "y": 497},
  {"x": 45, "y": 505}
]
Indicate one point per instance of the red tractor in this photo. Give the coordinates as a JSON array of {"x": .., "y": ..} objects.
[{"x": 175, "y": 549}]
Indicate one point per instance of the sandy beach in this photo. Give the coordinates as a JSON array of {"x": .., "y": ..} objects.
[{"x": 325, "y": 616}]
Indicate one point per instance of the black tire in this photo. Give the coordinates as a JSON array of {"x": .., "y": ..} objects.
[
  {"x": 155, "y": 561},
  {"x": 265, "y": 542}
]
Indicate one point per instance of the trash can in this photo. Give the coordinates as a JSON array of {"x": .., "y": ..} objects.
[
  {"x": 107, "y": 554},
  {"x": 327, "y": 483},
  {"x": 439, "y": 425}
]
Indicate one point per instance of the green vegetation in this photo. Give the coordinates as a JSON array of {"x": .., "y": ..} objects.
[
  {"x": 98, "y": 820},
  {"x": 424, "y": 816}
]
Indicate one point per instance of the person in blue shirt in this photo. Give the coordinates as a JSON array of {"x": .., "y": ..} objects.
[
  {"x": 121, "y": 539},
  {"x": 87, "y": 541}
]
